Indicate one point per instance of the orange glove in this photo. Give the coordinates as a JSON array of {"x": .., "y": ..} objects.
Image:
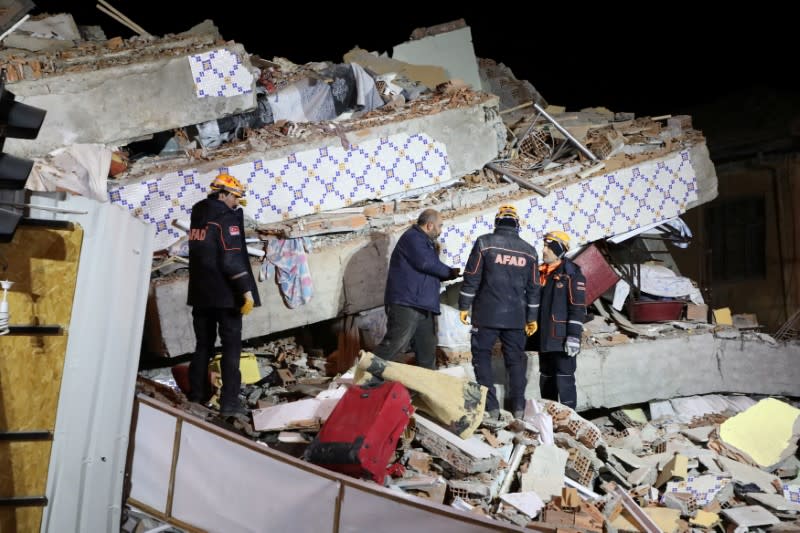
[
  {"x": 531, "y": 328},
  {"x": 248, "y": 303},
  {"x": 464, "y": 316}
]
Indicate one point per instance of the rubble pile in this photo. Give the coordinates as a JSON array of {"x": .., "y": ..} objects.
[{"x": 688, "y": 464}]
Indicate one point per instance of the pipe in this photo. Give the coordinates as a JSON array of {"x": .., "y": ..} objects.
[
  {"x": 565, "y": 133},
  {"x": 516, "y": 459},
  {"x": 511, "y": 178}
]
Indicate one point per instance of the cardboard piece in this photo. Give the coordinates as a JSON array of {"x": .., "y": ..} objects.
[
  {"x": 723, "y": 317},
  {"x": 677, "y": 467},
  {"x": 666, "y": 519},
  {"x": 430, "y": 76},
  {"x": 766, "y": 433}
]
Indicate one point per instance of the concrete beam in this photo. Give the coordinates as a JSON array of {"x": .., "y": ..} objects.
[
  {"x": 118, "y": 103},
  {"x": 682, "y": 366}
]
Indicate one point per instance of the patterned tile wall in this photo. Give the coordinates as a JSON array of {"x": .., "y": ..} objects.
[
  {"x": 220, "y": 73},
  {"x": 703, "y": 488},
  {"x": 592, "y": 209},
  {"x": 791, "y": 492},
  {"x": 303, "y": 183}
]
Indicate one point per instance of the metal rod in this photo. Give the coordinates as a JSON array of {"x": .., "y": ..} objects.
[
  {"x": 34, "y": 330},
  {"x": 566, "y": 134},
  {"x": 44, "y": 208},
  {"x": 525, "y": 184},
  {"x": 15, "y": 436},
  {"x": 24, "y": 501}
]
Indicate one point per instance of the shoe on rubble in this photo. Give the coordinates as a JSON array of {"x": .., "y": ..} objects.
[
  {"x": 519, "y": 414},
  {"x": 236, "y": 410}
]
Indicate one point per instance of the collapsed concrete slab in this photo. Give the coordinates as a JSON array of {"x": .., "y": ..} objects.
[
  {"x": 423, "y": 147},
  {"x": 120, "y": 91},
  {"x": 680, "y": 366},
  {"x": 349, "y": 273}
]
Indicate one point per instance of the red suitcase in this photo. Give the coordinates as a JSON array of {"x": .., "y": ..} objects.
[
  {"x": 361, "y": 433},
  {"x": 598, "y": 273}
]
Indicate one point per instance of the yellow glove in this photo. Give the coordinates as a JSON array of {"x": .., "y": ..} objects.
[
  {"x": 464, "y": 315},
  {"x": 248, "y": 303},
  {"x": 531, "y": 327}
]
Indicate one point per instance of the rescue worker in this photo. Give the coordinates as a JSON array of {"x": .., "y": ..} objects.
[
  {"x": 221, "y": 289},
  {"x": 412, "y": 291},
  {"x": 501, "y": 285},
  {"x": 561, "y": 318}
]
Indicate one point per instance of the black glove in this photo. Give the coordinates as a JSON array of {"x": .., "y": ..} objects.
[{"x": 455, "y": 273}]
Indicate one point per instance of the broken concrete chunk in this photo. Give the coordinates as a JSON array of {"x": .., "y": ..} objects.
[
  {"x": 545, "y": 474},
  {"x": 775, "y": 502},
  {"x": 468, "y": 457},
  {"x": 528, "y": 503},
  {"x": 745, "y": 474},
  {"x": 750, "y": 516},
  {"x": 665, "y": 519},
  {"x": 699, "y": 434}
]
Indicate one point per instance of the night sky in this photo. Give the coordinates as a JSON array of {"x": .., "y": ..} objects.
[{"x": 640, "y": 59}]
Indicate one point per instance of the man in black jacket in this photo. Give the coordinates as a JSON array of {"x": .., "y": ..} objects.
[
  {"x": 501, "y": 285},
  {"x": 412, "y": 291},
  {"x": 221, "y": 289},
  {"x": 561, "y": 318}
]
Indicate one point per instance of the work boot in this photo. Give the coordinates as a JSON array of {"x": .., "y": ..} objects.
[
  {"x": 519, "y": 414},
  {"x": 234, "y": 410},
  {"x": 491, "y": 419}
]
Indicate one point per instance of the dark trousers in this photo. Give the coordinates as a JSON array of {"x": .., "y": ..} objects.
[
  {"x": 207, "y": 321},
  {"x": 513, "y": 341},
  {"x": 405, "y": 325},
  {"x": 557, "y": 378}
]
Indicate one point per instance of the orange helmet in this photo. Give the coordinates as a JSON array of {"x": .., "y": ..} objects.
[{"x": 226, "y": 182}]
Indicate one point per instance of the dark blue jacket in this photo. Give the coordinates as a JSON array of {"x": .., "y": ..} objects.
[
  {"x": 219, "y": 267},
  {"x": 415, "y": 272},
  {"x": 501, "y": 281},
  {"x": 563, "y": 308}
]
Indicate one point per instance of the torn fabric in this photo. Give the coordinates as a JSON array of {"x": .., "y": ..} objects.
[
  {"x": 79, "y": 169},
  {"x": 288, "y": 257}
]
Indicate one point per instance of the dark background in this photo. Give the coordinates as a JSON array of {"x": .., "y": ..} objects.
[{"x": 651, "y": 58}]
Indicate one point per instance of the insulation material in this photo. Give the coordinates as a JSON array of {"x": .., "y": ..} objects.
[
  {"x": 23, "y": 472},
  {"x": 766, "y": 433},
  {"x": 43, "y": 263},
  {"x": 591, "y": 209},
  {"x": 458, "y": 404},
  {"x": 220, "y": 73},
  {"x": 303, "y": 183}
]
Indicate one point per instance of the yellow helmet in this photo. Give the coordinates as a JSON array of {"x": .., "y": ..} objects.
[
  {"x": 507, "y": 212},
  {"x": 226, "y": 182},
  {"x": 558, "y": 242}
]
